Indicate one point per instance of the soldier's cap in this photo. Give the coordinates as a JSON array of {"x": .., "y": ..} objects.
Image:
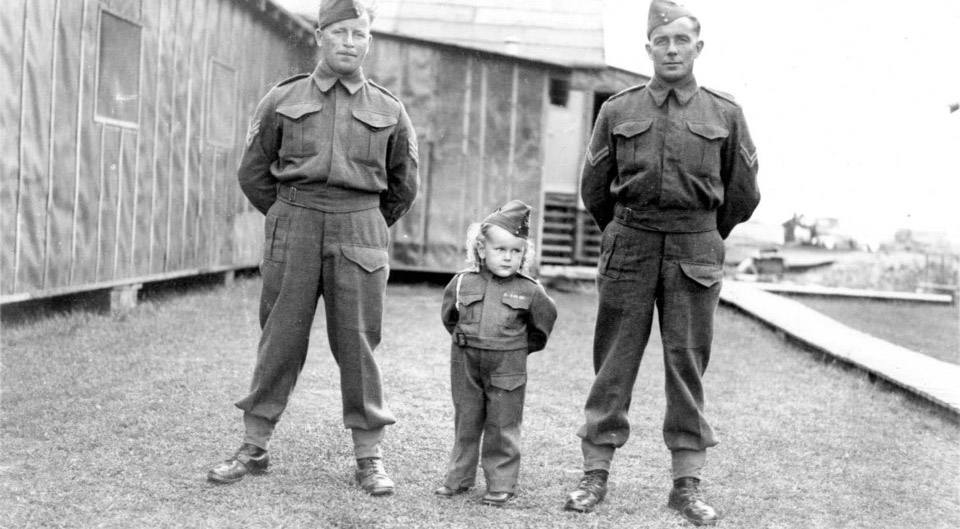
[
  {"x": 332, "y": 11},
  {"x": 664, "y": 12},
  {"x": 514, "y": 216}
]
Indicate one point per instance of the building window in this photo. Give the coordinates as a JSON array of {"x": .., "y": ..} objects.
[
  {"x": 221, "y": 104},
  {"x": 118, "y": 71},
  {"x": 559, "y": 91}
]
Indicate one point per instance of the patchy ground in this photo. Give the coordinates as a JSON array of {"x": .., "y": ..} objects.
[{"x": 112, "y": 422}]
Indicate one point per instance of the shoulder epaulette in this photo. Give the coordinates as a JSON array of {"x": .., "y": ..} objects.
[
  {"x": 292, "y": 79},
  {"x": 722, "y": 95},
  {"x": 528, "y": 278},
  {"x": 626, "y": 91},
  {"x": 384, "y": 90}
]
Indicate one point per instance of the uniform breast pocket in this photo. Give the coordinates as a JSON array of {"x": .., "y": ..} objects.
[
  {"x": 520, "y": 305},
  {"x": 702, "y": 148},
  {"x": 632, "y": 141},
  {"x": 369, "y": 136},
  {"x": 471, "y": 307},
  {"x": 301, "y": 129}
]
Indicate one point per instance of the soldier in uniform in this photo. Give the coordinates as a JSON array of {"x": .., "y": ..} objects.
[
  {"x": 331, "y": 160},
  {"x": 670, "y": 170}
]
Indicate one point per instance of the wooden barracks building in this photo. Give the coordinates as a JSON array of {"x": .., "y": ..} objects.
[{"x": 124, "y": 120}]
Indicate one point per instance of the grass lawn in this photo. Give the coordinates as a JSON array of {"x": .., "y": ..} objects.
[
  {"x": 113, "y": 422},
  {"x": 931, "y": 329}
]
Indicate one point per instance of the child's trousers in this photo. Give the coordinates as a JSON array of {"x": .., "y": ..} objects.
[{"x": 488, "y": 391}]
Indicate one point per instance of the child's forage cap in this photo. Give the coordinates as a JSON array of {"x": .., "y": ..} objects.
[{"x": 514, "y": 216}]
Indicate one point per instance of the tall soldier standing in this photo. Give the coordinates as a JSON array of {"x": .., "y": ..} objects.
[
  {"x": 331, "y": 160},
  {"x": 670, "y": 171}
]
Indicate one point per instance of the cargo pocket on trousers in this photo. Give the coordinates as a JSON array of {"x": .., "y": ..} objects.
[
  {"x": 508, "y": 382},
  {"x": 367, "y": 258},
  {"x": 609, "y": 263},
  {"x": 275, "y": 239},
  {"x": 706, "y": 275}
]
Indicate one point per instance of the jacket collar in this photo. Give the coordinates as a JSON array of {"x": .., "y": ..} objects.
[
  {"x": 660, "y": 90},
  {"x": 325, "y": 78}
]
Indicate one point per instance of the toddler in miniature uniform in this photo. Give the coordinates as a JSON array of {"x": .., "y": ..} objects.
[{"x": 496, "y": 315}]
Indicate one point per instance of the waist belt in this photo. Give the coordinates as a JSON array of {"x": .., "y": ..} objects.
[
  {"x": 328, "y": 198},
  {"x": 667, "y": 220},
  {"x": 498, "y": 343}
]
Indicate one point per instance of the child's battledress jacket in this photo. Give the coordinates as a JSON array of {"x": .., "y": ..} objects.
[{"x": 484, "y": 311}]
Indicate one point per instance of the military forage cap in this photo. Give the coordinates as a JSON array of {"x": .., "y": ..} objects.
[
  {"x": 664, "y": 12},
  {"x": 332, "y": 11},
  {"x": 514, "y": 216}
]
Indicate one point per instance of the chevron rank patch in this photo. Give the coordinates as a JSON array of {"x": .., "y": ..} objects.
[
  {"x": 412, "y": 149},
  {"x": 749, "y": 157},
  {"x": 253, "y": 131},
  {"x": 595, "y": 158}
]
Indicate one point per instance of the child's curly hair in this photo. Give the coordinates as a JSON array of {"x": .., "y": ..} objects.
[{"x": 476, "y": 238}]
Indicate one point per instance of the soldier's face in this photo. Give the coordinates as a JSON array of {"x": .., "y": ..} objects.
[
  {"x": 502, "y": 252},
  {"x": 344, "y": 44},
  {"x": 673, "y": 48}
]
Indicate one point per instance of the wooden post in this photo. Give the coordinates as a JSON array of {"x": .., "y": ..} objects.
[
  {"x": 228, "y": 278},
  {"x": 124, "y": 298}
]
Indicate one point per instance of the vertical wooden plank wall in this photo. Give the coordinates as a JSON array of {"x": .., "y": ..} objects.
[{"x": 86, "y": 201}]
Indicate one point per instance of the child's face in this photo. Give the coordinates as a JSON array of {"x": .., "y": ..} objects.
[{"x": 502, "y": 253}]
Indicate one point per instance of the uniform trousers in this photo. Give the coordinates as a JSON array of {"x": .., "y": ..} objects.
[
  {"x": 680, "y": 274},
  {"x": 341, "y": 257},
  {"x": 488, "y": 392}
]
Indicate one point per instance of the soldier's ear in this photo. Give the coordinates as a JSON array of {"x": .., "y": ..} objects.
[
  {"x": 699, "y": 46},
  {"x": 316, "y": 36}
]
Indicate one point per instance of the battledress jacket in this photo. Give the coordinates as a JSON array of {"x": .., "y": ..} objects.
[
  {"x": 336, "y": 144},
  {"x": 494, "y": 313},
  {"x": 683, "y": 163}
]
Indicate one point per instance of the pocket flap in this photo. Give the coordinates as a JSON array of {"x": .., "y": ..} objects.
[
  {"x": 628, "y": 129},
  {"x": 370, "y": 259},
  {"x": 708, "y": 130},
  {"x": 470, "y": 297},
  {"x": 508, "y": 382},
  {"x": 375, "y": 119},
  {"x": 705, "y": 274},
  {"x": 298, "y": 110},
  {"x": 515, "y": 300}
]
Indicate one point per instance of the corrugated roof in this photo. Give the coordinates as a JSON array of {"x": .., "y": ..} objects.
[
  {"x": 568, "y": 32},
  {"x": 278, "y": 14}
]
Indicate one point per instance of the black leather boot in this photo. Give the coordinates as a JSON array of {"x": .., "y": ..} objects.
[
  {"x": 496, "y": 499},
  {"x": 590, "y": 491},
  {"x": 249, "y": 459},
  {"x": 688, "y": 500},
  {"x": 372, "y": 477}
]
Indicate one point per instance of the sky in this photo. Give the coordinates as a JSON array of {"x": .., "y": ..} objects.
[{"x": 847, "y": 101}]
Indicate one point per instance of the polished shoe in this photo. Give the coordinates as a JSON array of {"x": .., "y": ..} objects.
[
  {"x": 248, "y": 459},
  {"x": 496, "y": 499},
  {"x": 590, "y": 491},
  {"x": 446, "y": 492},
  {"x": 372, "y": 478},
  {"x": 688, "y": 500}
]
